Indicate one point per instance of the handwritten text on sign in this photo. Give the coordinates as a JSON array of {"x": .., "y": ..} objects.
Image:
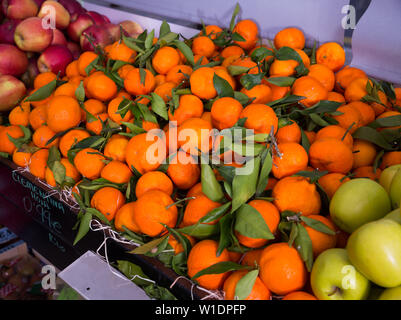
[{"x": 39, "y": 203}]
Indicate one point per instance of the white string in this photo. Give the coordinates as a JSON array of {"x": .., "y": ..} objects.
[
  {"x": 176, "y": 279},
  {"x": 142, "y": 278},
  {"x": 67, "y": 193},
  {"x": 215, "y": 294},
  {"x": 50, "y": 193},
  {"x": 192, "y": 291},
  {"x": 64, "y": 195},
  {"x": 104, "y": 244},
  {"x": 61, "y": 194},
  {"x": 24, "y": 169},
  {"x": 114, "y": 235},
  {"x": 21, "y": 170}
]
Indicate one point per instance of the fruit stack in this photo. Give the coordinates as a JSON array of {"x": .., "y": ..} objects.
[
  {"x": 20, "y": 279},
  {"x": 38, "y": 36},
  {"x": 261, "y": 171}
]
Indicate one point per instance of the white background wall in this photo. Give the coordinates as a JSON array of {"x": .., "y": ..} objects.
[{"x": 376, "y": 40}]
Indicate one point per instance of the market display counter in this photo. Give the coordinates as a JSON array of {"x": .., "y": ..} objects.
[
  {"x": 45, "y": 220},
  {"x": 39, "y": 219}
]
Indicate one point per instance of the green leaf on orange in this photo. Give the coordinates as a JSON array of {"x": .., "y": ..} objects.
[
  {"x": 303, "y": 244},
  {"x": 245, "y": 285},
  {"x": 145, "y": 248},
  {"x": 221, "y": 267},
  {"x": 250, "y": 223},
  {"x": 222, "y": 87}
]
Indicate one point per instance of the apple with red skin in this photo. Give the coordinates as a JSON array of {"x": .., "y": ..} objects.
[
  {"x": 31, "y": 72},
  {"x": 99, "y": 37},
  {"x": 106, "y": 18},
  {"x": 75, "y": 49},
  {"x": 73, "y": 7},
  {"x": 31, "y": 36},
  {"x": 78, "y": 25},
  {"x": 131, "y": 29},
  {"x": 114, "y": 31},
  {"x": 98, "y": 18},
  {"x": 19, "y": 9},
  {"x": 13, "y": 61},
  {"x": 59, "y": 38},
  {"x": 55, "y": 59},
  {"x": 12, "y": 91},
  {"x": 7, "y": 29},
  {"x": 62, "y": 15}
]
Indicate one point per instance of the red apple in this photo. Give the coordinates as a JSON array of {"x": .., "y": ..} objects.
[
  {"x": 12, "y": 91},
  {"x": 73, "y": 7},
  {"x": 30, "y": 74},
  {"x": 114, "y": 31},
  {"x": 105, "y": 18},
  {"x": 99, "y": 37},
  {"x": 131, "y": 29},
  {"x": 61, "y": 18},
  {"x": 13, "y": 61},
  {"x": 78, "y": 25},
  {"x": 31, "y": 36},
  {"x": 59, "y": 38},
  {"x": 98, "y": 18},
  {"x": 74, "y": 48},
  {"x": 7, "y": 29},
  {"x": 19, "y": 9},
  {"x": 55, "y": 59}
]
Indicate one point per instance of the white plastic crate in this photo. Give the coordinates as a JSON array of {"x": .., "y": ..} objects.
[{"x": 376, "y": 42}]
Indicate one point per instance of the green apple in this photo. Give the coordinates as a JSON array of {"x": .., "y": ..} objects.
[
  {"x": 387, "y": 176},
  {"x": 357, "y": 202},
  {"x": 391, "y": 294},
  {"x": 394, "y": 215},
  {"x": 375, "y": 250},
  {"x": 333, "y": 277},
  {"x": 395, "y": 190}
]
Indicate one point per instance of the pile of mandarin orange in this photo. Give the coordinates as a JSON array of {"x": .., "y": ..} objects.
[{"x": 261, "y": 83}]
